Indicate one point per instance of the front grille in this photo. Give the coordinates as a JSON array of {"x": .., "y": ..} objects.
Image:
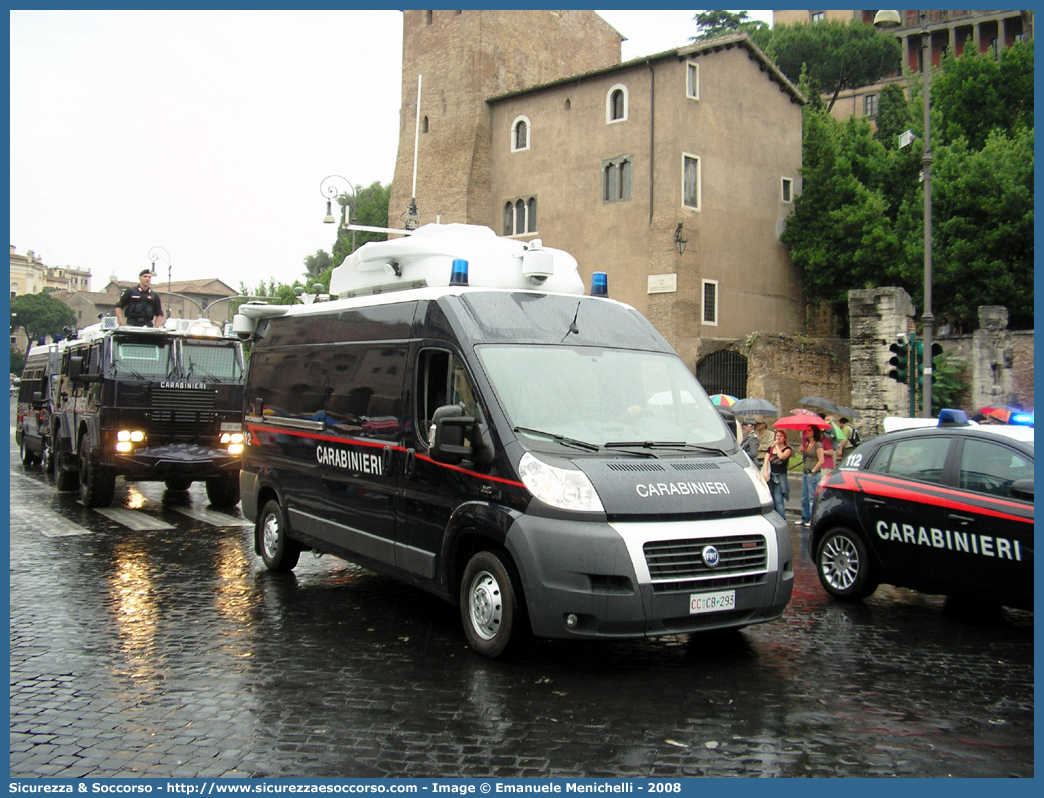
[
  {"x": 677, "y": 565},
  {"x": 182, "y": 415}
]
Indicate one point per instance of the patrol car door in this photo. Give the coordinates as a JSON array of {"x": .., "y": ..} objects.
[
  {"x": 899, "y": 504},
  {"x": 988, "y": 532},
  {"x": 433, "y": 490},
  {"x": 360, "y": 452}
]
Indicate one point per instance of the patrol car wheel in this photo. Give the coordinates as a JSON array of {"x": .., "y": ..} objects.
[
  {"x": 844, "y": 567},
  {"x": 97, "y": 483},
  {"x": 223, "y": 491},
  {"x": 278, "y": 551},
  {"x": 491, "y": 605},
  {"x": 28, "y": 458}
]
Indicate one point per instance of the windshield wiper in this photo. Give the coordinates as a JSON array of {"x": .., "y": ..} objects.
[
  {"x": 193, "y": 367},
  {"x": 662, "y": 445},
  {"x": 590, "y": 447}
]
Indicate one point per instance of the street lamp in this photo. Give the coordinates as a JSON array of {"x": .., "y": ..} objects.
[
  {"x": 155, "y": 254},
  {"x": 890, "y": 19},
  {"x": 329, "y": 189}
]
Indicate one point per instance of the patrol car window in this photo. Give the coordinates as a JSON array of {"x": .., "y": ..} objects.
[
  {"x": 143, "y": 359},
  {"x": 211, "y": 362},
  {"x": 602, "y": 395},
  {"x": 987, "y": 467},
  {"x": 913, "y": 458}
]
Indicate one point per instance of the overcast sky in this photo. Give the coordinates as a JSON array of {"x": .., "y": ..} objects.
[{"x": 208, "y": 133}]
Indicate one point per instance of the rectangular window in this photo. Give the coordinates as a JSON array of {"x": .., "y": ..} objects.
[
  {"x": 818, "y": 16},
  {"x": 710, "y": 302},
  {"x": 870, "y": 105},
  {"x": 692, "y": 81},
  {"x": 691, "y": 181},
  {"x": 788, "y": 189}
]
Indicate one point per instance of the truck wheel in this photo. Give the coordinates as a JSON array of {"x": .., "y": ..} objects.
[
  {"x": 223, "y": 491},
  {"x": 278, "y": 551},
  {"x": 28, "y": 458},
  {"x": 844, "y": 566},
  {"x": 491, "y": 605},
  {"x": 97, "y": 483},
  {"x": 64, "y": 479},
  {"x": 178, "y": 483}
]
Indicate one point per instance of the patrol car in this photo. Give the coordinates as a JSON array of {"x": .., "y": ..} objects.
[
  {"x": 945, "y": 509},
  {"x": 464, "y": 418}
]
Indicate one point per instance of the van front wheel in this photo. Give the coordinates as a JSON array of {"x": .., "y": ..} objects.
[
  {"x": 278, "y": 551},
  {"x": 491, "y": 605}
]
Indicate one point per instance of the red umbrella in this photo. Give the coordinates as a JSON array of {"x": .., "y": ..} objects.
[{"x": 800, "y": 421}]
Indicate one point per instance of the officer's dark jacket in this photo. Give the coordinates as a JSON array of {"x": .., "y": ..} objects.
[{"x": 139, "y": 306}]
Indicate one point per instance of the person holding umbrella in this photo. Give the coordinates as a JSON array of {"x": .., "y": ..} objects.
[{"x": 812, "y": 466}]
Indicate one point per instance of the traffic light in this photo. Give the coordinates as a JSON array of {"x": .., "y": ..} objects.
[
  {"x": 936, "y": 351},
  {"x": 899, "y": 361}
]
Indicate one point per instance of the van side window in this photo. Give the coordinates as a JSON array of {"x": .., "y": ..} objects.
[
  {"x": 290, "y": 383},
  {"x": 441, "y": 380},
  {"x": 364, "y": 397}
]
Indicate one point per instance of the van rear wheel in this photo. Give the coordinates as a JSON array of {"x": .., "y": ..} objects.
[
  {"x": 278, "y": 551},
  {"x": 28, "y": 458},
  {"x": 492, "y": 608}
]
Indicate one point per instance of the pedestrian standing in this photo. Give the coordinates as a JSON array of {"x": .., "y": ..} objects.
[
  {"x": 139, "y": 306},
  {"x": 812, "y": 464},
  {"x": 750, "y": 440},
  {"x": 765, "y": 440},
  {"x": 775, "y": 472}
]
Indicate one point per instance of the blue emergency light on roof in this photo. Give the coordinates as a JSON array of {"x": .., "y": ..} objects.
[
  {"x": 599, "y": 284},
  {"x": 951, "y": 417},
  {"x": 459, "y": 272},
  {"x": 1023, "y": 419}
]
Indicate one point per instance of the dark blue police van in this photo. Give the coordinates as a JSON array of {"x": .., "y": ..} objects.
[{"x": 463, "y": 418}]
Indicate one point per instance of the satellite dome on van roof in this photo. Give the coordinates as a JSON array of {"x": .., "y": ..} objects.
[{"x": 426, "y": 258}]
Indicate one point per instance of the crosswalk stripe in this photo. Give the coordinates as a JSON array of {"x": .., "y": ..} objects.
[
  {"x": 49, "y": 523},
  {"x": 133, "y": 519},
  {"x": 213, "y": 517}
]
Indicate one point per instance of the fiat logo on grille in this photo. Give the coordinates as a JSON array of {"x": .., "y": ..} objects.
[{"x": 710, "y": 556}]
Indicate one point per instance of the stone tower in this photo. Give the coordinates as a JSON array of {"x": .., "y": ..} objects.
[{"x": 463, "y": 58}]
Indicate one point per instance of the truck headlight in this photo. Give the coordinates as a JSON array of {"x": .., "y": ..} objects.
[
  {"x": 560, "y": 487},
  {"x": 127, "y": 438}
]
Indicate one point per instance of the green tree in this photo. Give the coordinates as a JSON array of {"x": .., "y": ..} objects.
[
  {"x": 371, "y": 209},
  {"x": 41, "y": 315},
  {"x": 316, "y": 264},
  {"x": 893, "y": 115},
  {"x": 714, "y": 24},
  {"x": 17, "y": 361},
  {"x": 837, "y": 55}
]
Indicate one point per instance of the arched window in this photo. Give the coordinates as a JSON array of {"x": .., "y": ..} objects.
[
  {"x": 723, "y": 372},
  {"x": 520, "y": 134},
  {"x": 617, "y": 178},
  {"x": 509, "y": 218},
  {"x": 520, "y": 216},
  {"x": 616, "y": 104},
  {"x": 424, "y": 125},
  {"x": 531, "y": 222}
]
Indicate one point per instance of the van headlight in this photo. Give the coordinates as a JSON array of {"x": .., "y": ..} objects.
[
  {"x": 760, "y": 485},
  {"x": 564, "y": 488}
]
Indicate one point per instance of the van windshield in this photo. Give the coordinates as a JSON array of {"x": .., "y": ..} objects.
[
  {"x": 142, "y": 358},
  {"x": 602, "y": 396},
  {"x": 211, "y": 361}
]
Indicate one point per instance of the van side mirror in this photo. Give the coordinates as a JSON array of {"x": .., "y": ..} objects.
[
  {"x": 1022, "y": 489},
  {"x": 452, "y": 427}
]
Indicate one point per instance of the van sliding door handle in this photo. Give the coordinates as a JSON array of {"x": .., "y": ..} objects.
[
  {"x": 386, "y": 459},
  {"x": 411, "y": 460}
]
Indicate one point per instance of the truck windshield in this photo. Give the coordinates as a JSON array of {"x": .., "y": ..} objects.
[
  {"x": 602, "y": 395},
  {"x": 211, "y": 361},
  {"x": 142, "y": 358}
]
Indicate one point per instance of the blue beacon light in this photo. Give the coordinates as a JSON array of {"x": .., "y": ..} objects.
[
  {"x": 599, "y": 284},
  {"x": 459, "y": 272}
]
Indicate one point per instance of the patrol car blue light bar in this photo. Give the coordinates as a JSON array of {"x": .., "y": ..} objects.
[
  {"x": 459, "y": 272},
  {"x": 1024, "y": 419},
  {"x": 599, "y": 284},
  {"x": 949, "y": 417}
]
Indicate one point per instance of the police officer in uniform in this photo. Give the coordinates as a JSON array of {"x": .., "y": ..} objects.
[{"x": 139, "y": 307}]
